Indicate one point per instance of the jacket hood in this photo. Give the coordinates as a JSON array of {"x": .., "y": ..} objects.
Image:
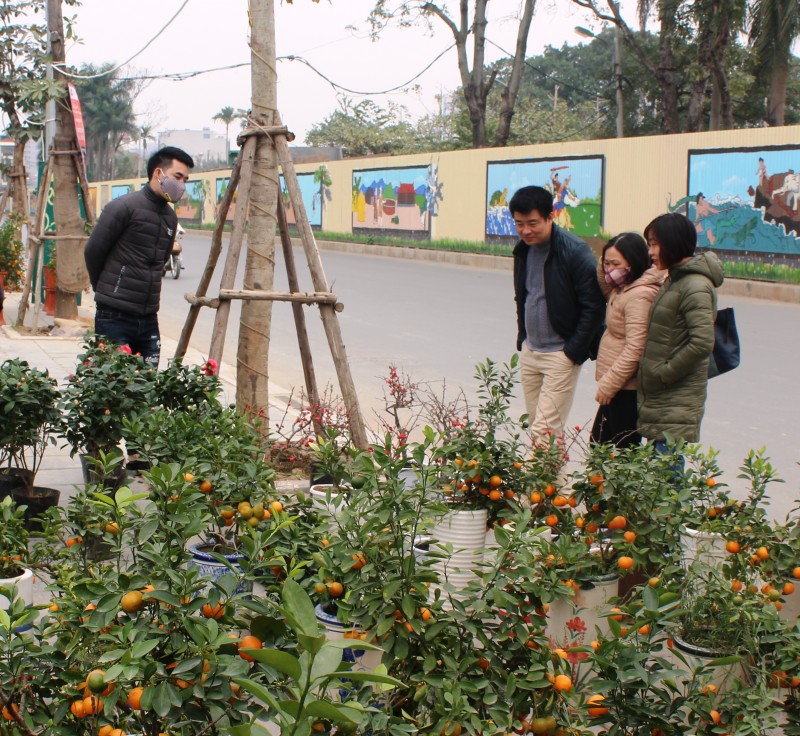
[
  {"x": 651, "y": 277},
  {"x": 706, "y": 264}
]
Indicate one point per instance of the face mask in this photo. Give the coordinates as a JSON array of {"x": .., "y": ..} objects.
[
  {"x": 172, "y": 188},
  {"x": 617, "y": 276}
]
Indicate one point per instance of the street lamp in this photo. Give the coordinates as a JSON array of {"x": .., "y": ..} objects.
[{"x": 616, "y": 65}]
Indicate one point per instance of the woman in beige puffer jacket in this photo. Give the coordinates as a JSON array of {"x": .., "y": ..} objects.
[{"x": 630, "y": 286}]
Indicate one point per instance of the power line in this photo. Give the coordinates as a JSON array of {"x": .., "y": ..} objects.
[
  {"x": 589, "y": 95},
  {"x": 61, "y": 70},
  {"x": 362, "y": 93},
  {"x": 180, "y": 76}
]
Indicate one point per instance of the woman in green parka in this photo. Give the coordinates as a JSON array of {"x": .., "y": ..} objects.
[{"x": 673, "y": 371}]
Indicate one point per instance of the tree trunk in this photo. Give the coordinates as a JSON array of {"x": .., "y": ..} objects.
[
  {"x": 72, "y": 277},
  {"x": 777, "y": 95},
  {"x": 19, "y": 180},
  {"x": 666, "y": 66},
  {"x": 509, "y": 95},
  {"x": 252, "y": 375}
]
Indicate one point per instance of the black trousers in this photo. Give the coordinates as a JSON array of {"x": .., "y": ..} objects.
[{"x": 616, "y": 422}]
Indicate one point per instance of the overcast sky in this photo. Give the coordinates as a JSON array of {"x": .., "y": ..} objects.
[{"x": 332, "y": 36}]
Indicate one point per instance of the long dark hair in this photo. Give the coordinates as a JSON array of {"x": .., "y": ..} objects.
[{"x": 633, "y": 249}]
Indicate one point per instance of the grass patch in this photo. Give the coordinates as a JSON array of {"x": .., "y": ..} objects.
[{"x": 762, "y": 272}]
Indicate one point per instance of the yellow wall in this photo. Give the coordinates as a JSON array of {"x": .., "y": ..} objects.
[{"x": 641, "y": 176}]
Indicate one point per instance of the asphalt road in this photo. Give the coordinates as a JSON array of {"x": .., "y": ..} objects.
[{"x": 436, "y": 321}]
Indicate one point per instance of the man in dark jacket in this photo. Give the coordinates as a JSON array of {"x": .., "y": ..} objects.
[
  {"x": 560, "y": 309},
  {"x": 127, "y": 250}
]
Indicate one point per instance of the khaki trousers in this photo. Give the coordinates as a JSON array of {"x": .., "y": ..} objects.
[{"x": 548, "y": 382}]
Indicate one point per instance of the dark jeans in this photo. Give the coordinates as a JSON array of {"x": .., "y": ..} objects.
[
  {"x": 678, "y": 466},
  {"x": 140, "y": 334}
]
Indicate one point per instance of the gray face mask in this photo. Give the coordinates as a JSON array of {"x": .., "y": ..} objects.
[{"x": 172, "y": 188}]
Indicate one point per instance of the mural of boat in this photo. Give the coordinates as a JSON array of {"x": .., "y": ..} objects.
[{"x": 779, "y": 196}]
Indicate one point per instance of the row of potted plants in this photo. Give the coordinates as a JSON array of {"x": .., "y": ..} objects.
[{"x": 520, "y": 631}]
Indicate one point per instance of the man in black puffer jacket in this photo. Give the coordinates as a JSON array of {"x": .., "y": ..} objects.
[
  {"x": 560, "y": 309},
  {"x": 127, "y": 250}
]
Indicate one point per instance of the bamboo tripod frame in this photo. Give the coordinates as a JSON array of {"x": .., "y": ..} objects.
[
  {"x": 37, "y": 236},
  {"x": 240, "y": 180}
]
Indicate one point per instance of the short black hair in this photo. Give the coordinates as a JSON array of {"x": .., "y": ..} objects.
[
  {"x": 676, "y": 236},
  {"x": 531, "y": 198},
  {"x": 633, "y": 249},
  {"x": 165, "y": 156}
]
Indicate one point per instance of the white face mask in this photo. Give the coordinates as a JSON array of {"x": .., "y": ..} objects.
[{"x": 173, "y": 188}]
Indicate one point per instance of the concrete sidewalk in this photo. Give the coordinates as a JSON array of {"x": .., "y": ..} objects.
[{"x": 56, "y": 350}]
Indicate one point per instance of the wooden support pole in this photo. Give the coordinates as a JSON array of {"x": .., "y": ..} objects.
[
  {"x": 33, "y": 241},
  {"x": 234, "y": 249},
  {"x": 213, "y": 257},
  {"x": 327, "y": 313},
  {"x": 309, "y": 375},
  {"x": 294, "y": 297}
]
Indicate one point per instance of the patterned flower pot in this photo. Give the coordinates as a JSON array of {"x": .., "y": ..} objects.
[
  {"x": 361, "y": 660},
  {"x": 213, "y": 569}
]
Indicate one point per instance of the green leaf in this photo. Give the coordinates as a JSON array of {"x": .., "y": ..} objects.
[
  {"x": 259, "y": 691},
  {"x": 337, "y": 713},
  {"x": 374, "y": 677},
  {"x": 299, "y": 609},
  {"x": 143, "y": 648},
  {"x": 148, "y": 529},
  {"x": 311, "y": 643},
  {"x": 5, "y": 620},
  {"x": 161, "y": 701},
  {"x": 281, "y": 661},
  {"x": 326, "y": 662}
]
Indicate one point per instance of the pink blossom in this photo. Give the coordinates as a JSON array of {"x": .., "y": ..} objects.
[
  {"x": 210, "y": 367},
  {"x": 125, "y": 349},
  {"x": 576, "y": 624}
]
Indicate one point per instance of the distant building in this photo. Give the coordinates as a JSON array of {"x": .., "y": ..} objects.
[{"x": 206, "y": 147}]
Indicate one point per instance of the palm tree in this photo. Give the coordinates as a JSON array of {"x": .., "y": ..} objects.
[
  {"x": 775, "y": 26},
  {"x": 227, "y": 115},
  {"x": 322, "y": 177},
  {"x": 145, "y": 134}
]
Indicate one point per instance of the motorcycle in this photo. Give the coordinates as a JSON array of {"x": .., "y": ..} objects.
[{"x": 173, "y": 264}]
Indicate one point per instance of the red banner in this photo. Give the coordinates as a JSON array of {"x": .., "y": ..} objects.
[{"x": 77, "y": 116}]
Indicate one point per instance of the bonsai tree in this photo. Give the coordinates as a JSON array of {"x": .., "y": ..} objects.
[
  {"x": 31, "y": 417},
  {"x": 108, "y": 385},
  {"x": 11, "y": 252}
]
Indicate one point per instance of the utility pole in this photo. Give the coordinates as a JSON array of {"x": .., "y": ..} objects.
[
  {"x": 71, "y": 275},
  {"x": 252, "y": 363}
]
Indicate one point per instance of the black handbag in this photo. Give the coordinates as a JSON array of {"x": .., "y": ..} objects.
[{"x": 726, "y": 354}]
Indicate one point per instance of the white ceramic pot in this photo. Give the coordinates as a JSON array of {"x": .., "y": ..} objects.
[
  {"x": 327, "y": 498},
  {"x": 24, "y": 585},
  {"x": 697, "y": 660},
  {"x": 576, "y": 621},
  {"x": 465, "y": 530},
  {"x": 705, "y": 547},
  {"x": 361, "y": 660}
]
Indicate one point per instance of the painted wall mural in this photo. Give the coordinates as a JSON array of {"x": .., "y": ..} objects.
[
  {"x": 400, "y": 201},
  {"x": 313, "y": 193},
  {"x": 192, "y": 205},
  {"x": 745, "y": 200},
  {"x": 120, "y": 190},
  {"x": 222, "y": 187},
  {"x": 575, "y": 183}
]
